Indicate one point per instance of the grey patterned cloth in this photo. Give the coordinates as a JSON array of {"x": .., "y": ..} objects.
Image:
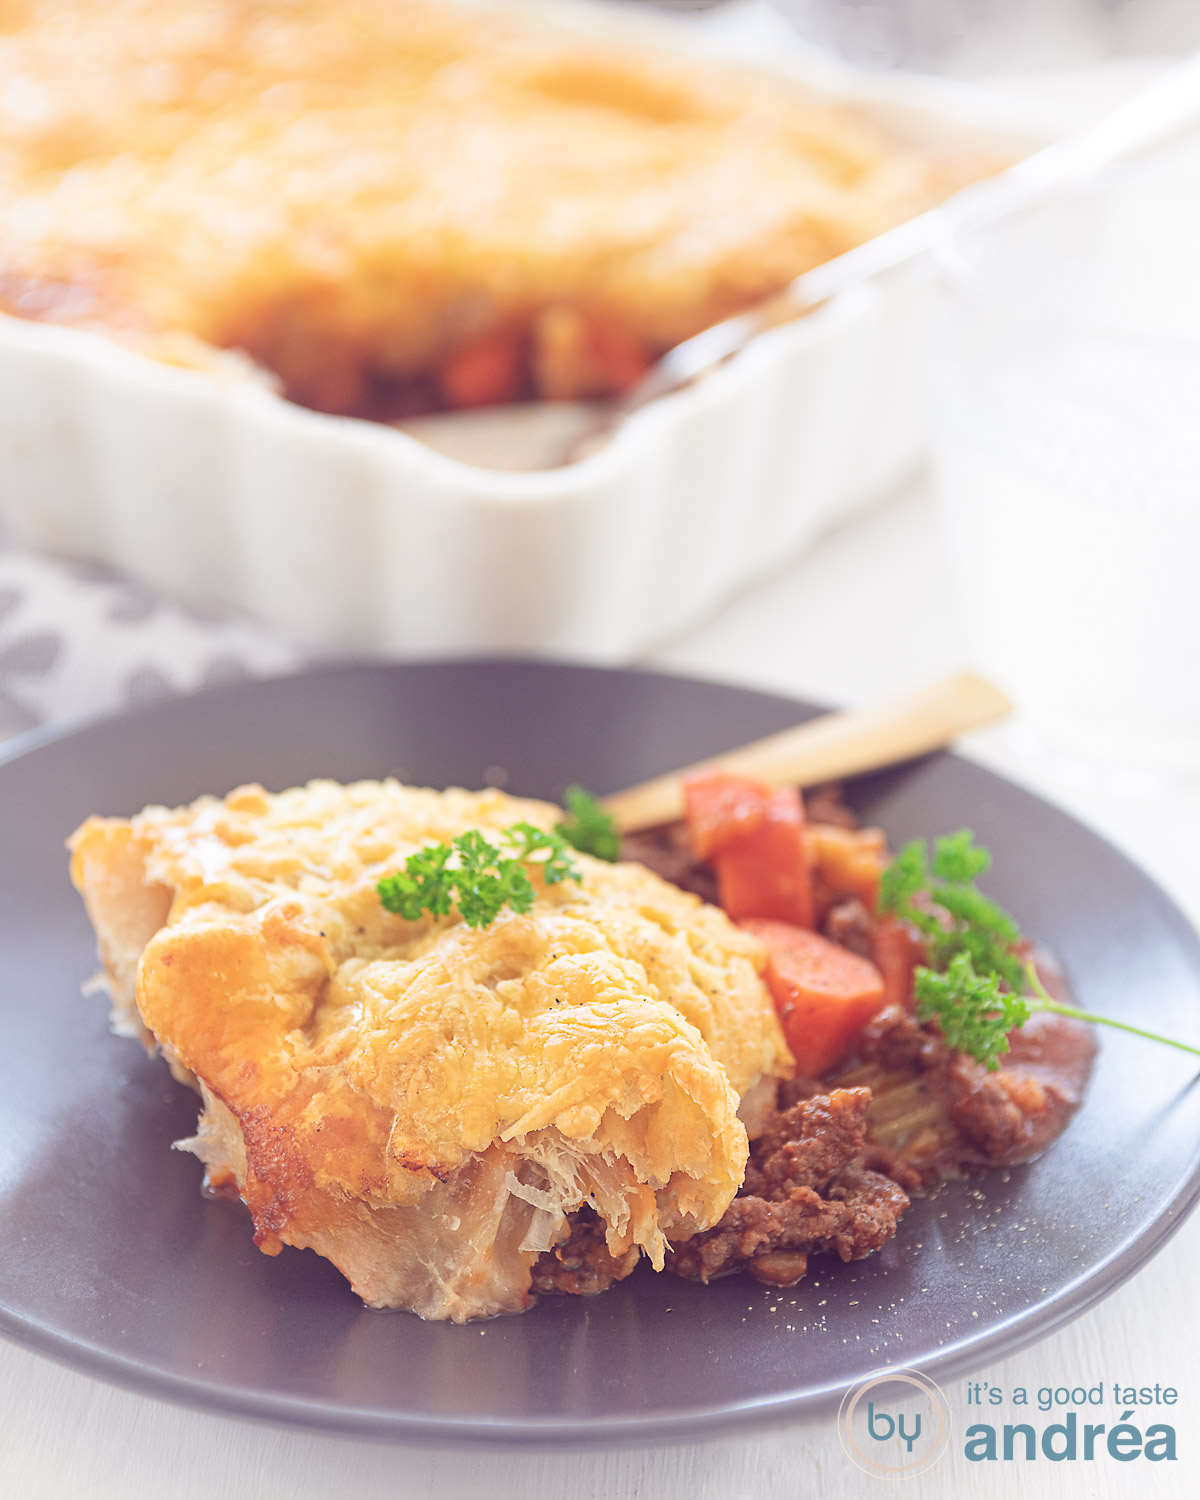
[{"x": 78, "y": 640}]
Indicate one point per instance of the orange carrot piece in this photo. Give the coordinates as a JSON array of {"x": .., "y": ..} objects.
[
  {"x": 897, "y": 950},
  {"x": 484, "y": 371},
  {"x": 720, "y": 807},
  {"x": 754, "y": 837},
  {"x": 824, "y": 994},
  {"x": 765, "y": 873},
  {"x": 621, "y": 359}
]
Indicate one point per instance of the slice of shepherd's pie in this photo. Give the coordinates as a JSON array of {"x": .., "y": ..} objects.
[{"x": 424, "y": 1102}]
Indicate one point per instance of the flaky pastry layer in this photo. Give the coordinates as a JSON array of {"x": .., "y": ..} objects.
[{"x": 422, "y": 1102}]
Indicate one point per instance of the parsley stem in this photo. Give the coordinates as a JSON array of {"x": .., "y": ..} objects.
[{"x": 1044, "y": 1001}]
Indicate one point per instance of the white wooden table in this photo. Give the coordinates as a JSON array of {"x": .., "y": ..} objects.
[{"x": 63, "y": 1435}]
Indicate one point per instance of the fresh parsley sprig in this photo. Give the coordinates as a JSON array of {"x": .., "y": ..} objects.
[
  {"x": 973, "y": 1011},
  {"x": 953, "y": 916},
  {"x": 476, "y": 875},
  {"x": 587, "y": 827},
  {"x": 976, "y": 985}
]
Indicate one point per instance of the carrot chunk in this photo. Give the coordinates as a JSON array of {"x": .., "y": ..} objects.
[
  {"x": 824, "y": 994},
  {"x": 485, "y": 370},
  {"x": 753, "y": 836},
  {"x": 765, "y": 873},
  {"x": 621, "y": 358},
  {"x": 577, "y": 354},
  {"x": 897, "y": 950},
  {"x": 720, "y": 807}
]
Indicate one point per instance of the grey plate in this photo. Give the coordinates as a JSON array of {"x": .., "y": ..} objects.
[{"x": 112, "y": 1262}]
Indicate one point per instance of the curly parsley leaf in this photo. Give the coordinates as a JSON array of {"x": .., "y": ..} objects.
[
  {"x": 587, "y": 827},
  {"x": 905, "y": 878},
  {"x": 972, "y": 983},
  {"x": 941, "y": 900},
  {"x": 531, "y": 844},
  {"x": 957, "y": 859},
  {"x": 424, "y": 884},
  {"x": 973, "y": 1011},
  {"x": 976, "y": 984},
  {"x": 486, "y": 881},
  {"x": 477, "y": 876}
]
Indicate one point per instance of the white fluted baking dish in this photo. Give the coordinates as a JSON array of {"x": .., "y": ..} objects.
[{"x": 357, "y": 536}]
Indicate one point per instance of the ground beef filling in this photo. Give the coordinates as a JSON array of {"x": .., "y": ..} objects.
[
  {"x": 581, "y": 1265},
  {"x": 937, "y": 1114},
  {"x": 807, "y": 1189},
  {"x": 667, "y": 851}
]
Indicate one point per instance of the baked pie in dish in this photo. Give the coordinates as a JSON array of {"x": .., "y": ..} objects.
[{"x": 396, "y": 206}]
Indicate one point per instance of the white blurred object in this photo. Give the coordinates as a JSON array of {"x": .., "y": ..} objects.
[
  {"x": 1153, "y": 115},
  {"x": 977, "y": 37},
  {"x": 352, "y": 536},
  {"x": 1068, "y": 458}
]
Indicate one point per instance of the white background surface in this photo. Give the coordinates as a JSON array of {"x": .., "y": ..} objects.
[{"x": 63, "y": 1435}]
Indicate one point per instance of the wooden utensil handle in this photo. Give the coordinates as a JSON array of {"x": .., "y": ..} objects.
[{"x": 829, "y": 748}]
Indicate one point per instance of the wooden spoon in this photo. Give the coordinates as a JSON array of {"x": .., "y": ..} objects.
[{"x": 830, "y": 747}]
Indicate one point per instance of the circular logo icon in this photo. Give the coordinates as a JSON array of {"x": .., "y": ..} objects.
[{"x": 895, "y": 1424}]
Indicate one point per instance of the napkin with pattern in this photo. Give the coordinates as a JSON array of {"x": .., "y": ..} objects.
[{"x": 78, "y": 640}]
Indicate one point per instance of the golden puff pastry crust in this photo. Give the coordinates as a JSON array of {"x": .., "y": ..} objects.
[{"x": 423, "y": 1102}]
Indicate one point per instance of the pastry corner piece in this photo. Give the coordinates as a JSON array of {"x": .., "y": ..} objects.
[{"x": 454, "y": 1116}]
